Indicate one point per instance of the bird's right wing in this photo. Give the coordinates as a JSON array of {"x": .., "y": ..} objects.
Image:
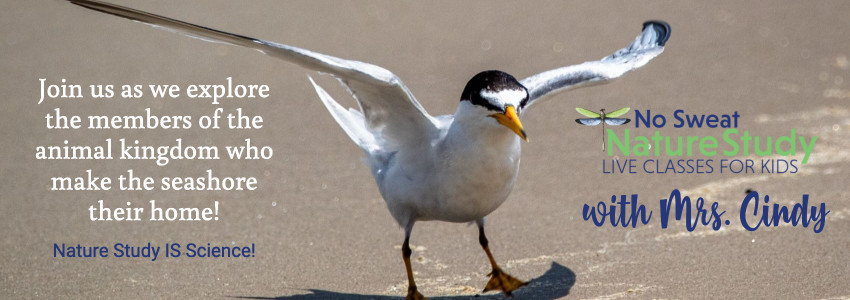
[
  {"x": 389, "y": 110},
  {"x": 647, "y": 45}
]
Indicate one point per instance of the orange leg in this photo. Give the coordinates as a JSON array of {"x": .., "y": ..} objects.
[
  {"x": 499, "y": 280},
  {"x": 412, "y": 293}
]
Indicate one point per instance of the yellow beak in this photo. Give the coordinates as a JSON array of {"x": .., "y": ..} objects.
[{"x": 510, "y": 120}]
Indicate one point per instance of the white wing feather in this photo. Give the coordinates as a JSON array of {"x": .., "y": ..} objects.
[
  {"x": 647, "y": 45},
  {"x": 389, "y": 111}
]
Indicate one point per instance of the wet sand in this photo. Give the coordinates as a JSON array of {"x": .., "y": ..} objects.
[{"x": 320, "y": 227}]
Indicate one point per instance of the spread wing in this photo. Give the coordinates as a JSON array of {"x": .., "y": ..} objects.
[
  {"x": 389, "y": 110},
  {"x": 647, "y": 45}
]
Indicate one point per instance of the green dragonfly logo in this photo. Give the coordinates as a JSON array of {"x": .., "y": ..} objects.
[{"x": 603, "y": 118}]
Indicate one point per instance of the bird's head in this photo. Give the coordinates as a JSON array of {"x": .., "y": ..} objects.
[{"x": 500, "y": 95}]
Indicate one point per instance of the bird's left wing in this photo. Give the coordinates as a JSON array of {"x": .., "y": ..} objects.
[
  {"x": 390, "y": 110},
  {"x": 647, "y": 45}
]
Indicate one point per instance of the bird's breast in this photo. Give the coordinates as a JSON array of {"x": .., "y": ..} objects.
[{"x": 476, "y": 178}]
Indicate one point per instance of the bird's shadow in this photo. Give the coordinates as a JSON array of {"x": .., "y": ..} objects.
[{"x": 553, "y": 284}]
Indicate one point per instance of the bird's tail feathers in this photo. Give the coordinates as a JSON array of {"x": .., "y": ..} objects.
[{"x": 351, "y": 121}]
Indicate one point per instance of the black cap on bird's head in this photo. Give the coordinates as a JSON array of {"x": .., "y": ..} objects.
[
  {"x": 500, "y": 93},
  {"x": 491, "y": 83}
]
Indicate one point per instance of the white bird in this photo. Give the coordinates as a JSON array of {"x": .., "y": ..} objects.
[{"x": 454, "y": 168}]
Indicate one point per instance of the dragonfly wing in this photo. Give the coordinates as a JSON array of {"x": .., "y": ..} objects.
[
  {"x": 589, "y": 122},
  {"x": 616, "y": 121},
  {"x": 587, "y": 113},
  {"x": 617, "y": 113}
]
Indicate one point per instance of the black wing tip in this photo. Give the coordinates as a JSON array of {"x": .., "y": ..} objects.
[
  {"x": 662, "y": 28},
  {"x": 85, "y": 3},
  {"x": 104, "y": 7}
]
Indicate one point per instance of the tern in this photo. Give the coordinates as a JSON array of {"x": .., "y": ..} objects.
[{"x": 454, "y": 168}]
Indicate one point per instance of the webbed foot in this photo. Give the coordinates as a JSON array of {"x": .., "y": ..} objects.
[
  {"x": 413, "y": 294},
  {"x": 499, "y": 280}
]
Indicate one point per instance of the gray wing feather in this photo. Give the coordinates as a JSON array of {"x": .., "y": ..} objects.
[
  {"x": 647, "y": 45},
  {"x": 391, "y": 112}
]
